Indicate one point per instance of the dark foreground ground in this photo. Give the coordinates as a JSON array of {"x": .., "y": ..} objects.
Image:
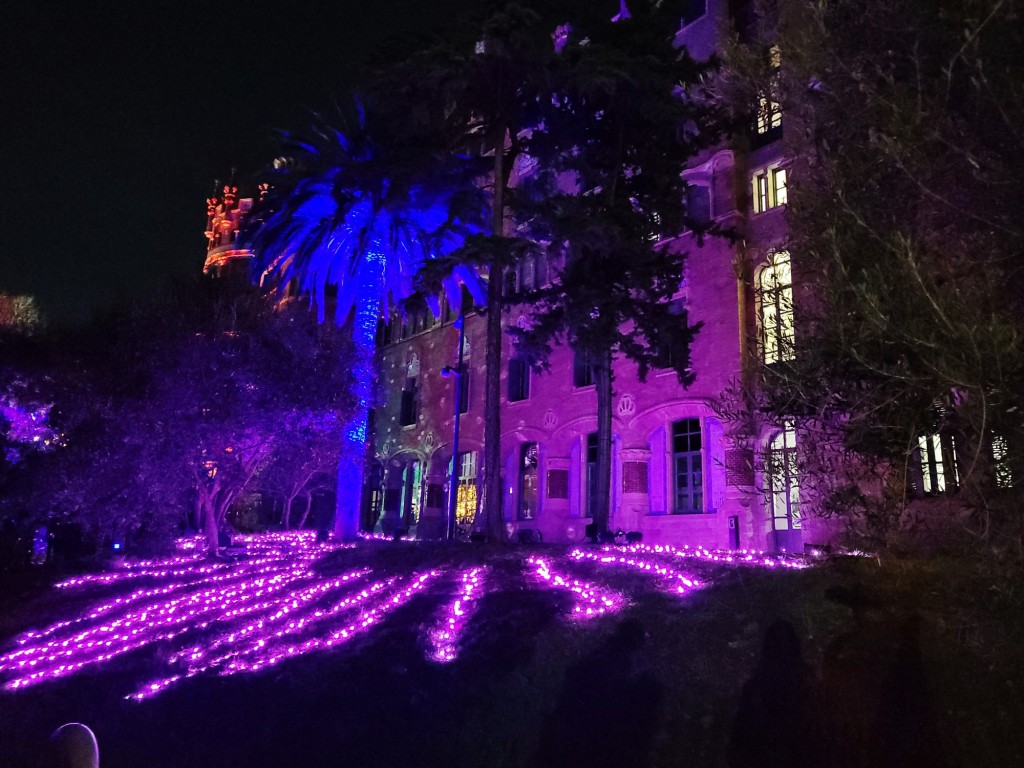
[{"x": 889, "y": 662}]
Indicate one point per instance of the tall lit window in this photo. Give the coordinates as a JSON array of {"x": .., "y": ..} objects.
[
  {"x": 1001, "y": 460},
  {"x": 466, "y": 496},
  {"x": 529, "y": 460},
  {"x": 775, "y": 305},
  {"x": 769, "y": 188},
  {"x": 688, "y": 467},
  {"x": 781, "y": 480},
  {"x": 938, "y": 463}
]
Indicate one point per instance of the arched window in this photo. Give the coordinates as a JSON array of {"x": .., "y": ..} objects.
[{"x": 775, "y": 309}]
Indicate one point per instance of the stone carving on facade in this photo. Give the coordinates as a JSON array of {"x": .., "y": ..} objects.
[{"x": 627, "y": 405}]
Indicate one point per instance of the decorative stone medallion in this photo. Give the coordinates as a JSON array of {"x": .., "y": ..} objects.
[{"x": 627, "y": 405}]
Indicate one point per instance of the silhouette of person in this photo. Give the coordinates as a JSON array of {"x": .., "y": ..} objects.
[
  {"x": 777, "y": 721},
  {"x": 607, "y": 713},
  {"x": 906, "y": 724}
]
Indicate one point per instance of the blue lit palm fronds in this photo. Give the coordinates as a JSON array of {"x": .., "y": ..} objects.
[
  {"x": 348, "y": 201},
  {"x": 362, "y": 211}
]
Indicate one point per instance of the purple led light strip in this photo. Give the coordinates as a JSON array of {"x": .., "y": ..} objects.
[
  {"x": 264, "y": 649},
  {"x": 446, "y": 634},
  {"x": 237, "y": 572},
  {"x": 218, "y": 593},
  {"x": 58, "y": 658},
  {"x": 590, "y": 601},
  {"x": 680, "y": 583},
  {"x": 750, "y": 557}
]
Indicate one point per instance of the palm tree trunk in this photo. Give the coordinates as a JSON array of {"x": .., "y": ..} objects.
[
  {"x": 602, "y": 491},
  {"x": 354, "y": 435}
]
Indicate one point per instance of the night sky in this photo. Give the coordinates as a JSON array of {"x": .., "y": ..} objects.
[{"x": 116, "y": 118}]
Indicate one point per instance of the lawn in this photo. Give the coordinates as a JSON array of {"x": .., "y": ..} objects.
[{"x": 423, "y": 654}]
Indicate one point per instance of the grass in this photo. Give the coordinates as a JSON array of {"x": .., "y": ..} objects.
[{"x": 657, "y": 684}]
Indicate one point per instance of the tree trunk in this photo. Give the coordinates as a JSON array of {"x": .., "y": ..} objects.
[
  {"x": 492, "y": 496},
  {"x": 286, "y": 517},
  {"x": 353, "y": 449},
  {"x": 209, "y": 521},
  {"x": 603, "y": 482},
  {"x": 305, "y": 512}
]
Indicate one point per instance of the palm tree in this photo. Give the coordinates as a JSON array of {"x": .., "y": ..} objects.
[{"x": 361, "y": 209}]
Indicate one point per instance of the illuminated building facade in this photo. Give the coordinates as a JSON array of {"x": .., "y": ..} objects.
[
  {"x": 681, "y": 474},
  {"x": 225, "y": 213}
]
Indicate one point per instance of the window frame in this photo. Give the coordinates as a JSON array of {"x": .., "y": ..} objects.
[
  {"x": 781, "y": 453},
  {"x": 409, "y": 410},
  {"x": 776, "y": 332},
  {"x": 525, "y": 464},
  {"x": 590, "y": 451},
  {"x": 467, "y": 491},
  {"x": 582, "y": 369},
  {"x": 518, "y": 388},
  {"x": 937, "y": 461},
  {"x": 770, "y": 188},
  {"x": 695, "y": 466}
]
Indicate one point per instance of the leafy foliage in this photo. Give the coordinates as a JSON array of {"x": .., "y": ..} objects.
[
  {"x": 625, "y": 112},
  {"x": 172, "y": 412},
  {"x": 903, "y": 125}
]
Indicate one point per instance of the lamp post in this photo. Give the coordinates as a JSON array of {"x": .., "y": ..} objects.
[{"x": 453, "y": 488}]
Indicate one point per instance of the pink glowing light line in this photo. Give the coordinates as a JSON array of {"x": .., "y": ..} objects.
[
  {"x": 136, "y": 630},
  {"x": 242, "y": 571},
  {"x": 364, "y": 621},
  {"x": 446, "y": 634},
  {"x": 270, "y": 649},
  {"x": 200, "y": 662},
  {"x": 681, "y": 583},
  {"x": 215, "y": 585},
  {"x": 591, "y": 600},
  {"x": 294, "y": 602},
  {"x": 748, "y": 557}
]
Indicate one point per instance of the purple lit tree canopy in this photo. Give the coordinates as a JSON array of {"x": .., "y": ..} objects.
[
  {"x": 174, "y": 411},
  {"x": 355, "y": 212}
]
